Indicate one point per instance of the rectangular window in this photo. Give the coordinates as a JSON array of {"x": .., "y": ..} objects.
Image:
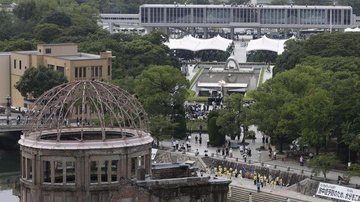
[
  {"x": 70, "y": 172},
  {"x": 80, "y": 72},
  {"x": 94, "y": 172},
  {"x": 60, "y": 69},
  {"x": 14, "y": 64},
  {"x": 109, "y": 70},
  {"x": 92, "y": 71},
  {"x": 29, "y": 171},
  {"x": 100, "y": 71},
  {"x": 76, "y": 72},
  {"x": 20, "y": 64},
  {"x": 96, "y": 71},
  {"x": 46, "y": 172},
  {"x": 84, "y": 72},
  {"x": 47, "y": 50},
  {"x": 23, "y": 167},
  {"x": 114, "y": 167},
  {"x": 58, "y": 171},
  {"x": 133, "y": 166},
  {"x": 104, "y": 171}
]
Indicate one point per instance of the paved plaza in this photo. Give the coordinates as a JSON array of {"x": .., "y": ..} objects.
[{"x": 282, "y": 163}]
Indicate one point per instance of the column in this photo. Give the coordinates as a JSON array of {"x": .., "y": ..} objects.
[
  {"x": 192, "y": 31},
  {"x": 111, "y": 27},
  {"x": 259, "y": 32},
  {"x": 232, "y": 30},
  {"x": 206, "y": 29}
]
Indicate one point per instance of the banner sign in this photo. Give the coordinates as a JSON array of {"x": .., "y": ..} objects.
[
  {"x": 153, "y": 153},
  {"x": 338, "y": 192}
]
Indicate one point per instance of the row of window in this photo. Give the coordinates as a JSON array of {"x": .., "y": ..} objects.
[
  {"x": 16, "y": 63},
  {"x": 246, "y": 15},
  {"x": 64, "y": 172},
  {"x": 96, "y": 71}
]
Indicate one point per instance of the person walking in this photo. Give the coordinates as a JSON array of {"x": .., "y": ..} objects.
[
  {"x": 258, "y": 186},
  {"x": 301, "y": 160}
]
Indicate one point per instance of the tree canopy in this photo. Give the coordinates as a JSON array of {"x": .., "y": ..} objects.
[
  {"x": 163, "y": 90},
  {"x": 36, "y": 81}
]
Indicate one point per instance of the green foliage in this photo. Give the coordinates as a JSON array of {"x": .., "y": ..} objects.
[
  {"x": 47, "y": 32},
  {"x": 323, "y": 45},
  {"x": 262, "y": 56},
  {"x": 161, "y": 127},
  {"x": 163, "y": 90},
  {"x": 354, "y": 170},
  {"x": 59, "y": 18},
  {"x": 216, "y": 138},
  {"x": 323, "y": 163},
  {"x": 36, "y": 81}
]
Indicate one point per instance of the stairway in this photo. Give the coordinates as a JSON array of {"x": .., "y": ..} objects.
[{"x": 240, "y": 194}]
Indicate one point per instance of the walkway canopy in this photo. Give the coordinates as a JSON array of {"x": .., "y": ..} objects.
[
  {"x": 265, "y": 43},
  {"x": 195, "y": 44},
  {"x": 356, "y": 29}
]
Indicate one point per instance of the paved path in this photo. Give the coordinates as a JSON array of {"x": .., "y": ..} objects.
[{"x": 258, "y": 157}]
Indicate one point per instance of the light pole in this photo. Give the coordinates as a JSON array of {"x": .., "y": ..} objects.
[
  {"x": 8, "y": 109},
  {"x": 222, "y": 84}
]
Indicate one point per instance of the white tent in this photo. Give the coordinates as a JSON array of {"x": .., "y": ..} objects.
[
  {"x": 194, "y": 44},
  {"x": 265, "y": 43},
  {"x": 356, "y": 29}
]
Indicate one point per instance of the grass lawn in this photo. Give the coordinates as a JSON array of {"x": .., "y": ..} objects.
[{"x": 194, "y": 125}]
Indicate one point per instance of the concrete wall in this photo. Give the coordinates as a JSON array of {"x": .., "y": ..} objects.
[
  {"x": 18, "y": 64},
  {"x": 4, "y": 77},
  {"x": 41, "y": 59},
  {"x": 58, "y": 49}
]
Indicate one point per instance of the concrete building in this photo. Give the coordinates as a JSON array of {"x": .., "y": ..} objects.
[
  {"x": 103, "y": 155},
  {"x": 4, "y": 77},
  {"x": 63, "y": 58}
]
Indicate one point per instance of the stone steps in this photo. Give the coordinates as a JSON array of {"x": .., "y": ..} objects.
[{"x": 240, "y": 194}]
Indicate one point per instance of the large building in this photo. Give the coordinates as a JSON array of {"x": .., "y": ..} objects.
[
  {"x": 4, "y": 77},
  {"x": 249, "y": 16},
  {"x": 63, "y": 58},
  {"x": 103, "y": 155}
]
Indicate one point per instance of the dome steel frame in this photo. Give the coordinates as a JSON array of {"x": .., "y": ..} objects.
[{"x": 86, "y": 104}]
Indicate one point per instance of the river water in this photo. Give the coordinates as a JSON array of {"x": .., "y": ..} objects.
[{"x": 9, "y": 170}]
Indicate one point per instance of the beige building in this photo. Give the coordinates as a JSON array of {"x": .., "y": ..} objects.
[
  {"x": 4, "y": 77},
  {"x": 63, "y": 58}
]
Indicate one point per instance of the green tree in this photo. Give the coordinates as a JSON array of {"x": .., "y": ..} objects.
[
  {"x": 26, "y": 10},
  {"x": 161, "y": 127},
  {"x": 36, "y": 81},
  {"x": 163, "y": 90},
  {"x": 315, "y": 116},
  {"x": 216, "y": 137},
  {"x": 47, "y": 32},
  {"x": 59, "y": 18},
  {"x": 323, "y": 163}
]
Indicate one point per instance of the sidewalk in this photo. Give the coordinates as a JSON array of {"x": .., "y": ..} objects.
[{"x": 257, "y": 156}]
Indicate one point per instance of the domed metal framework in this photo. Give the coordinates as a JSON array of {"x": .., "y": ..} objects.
[{"x": 87, "y": 107}]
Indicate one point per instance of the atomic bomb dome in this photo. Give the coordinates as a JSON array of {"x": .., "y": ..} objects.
[{"x": 83, "y": 138}]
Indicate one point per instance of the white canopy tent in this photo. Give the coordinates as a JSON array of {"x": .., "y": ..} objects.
[
  {"x": 356, "y": 29},
  {"x": 194, "y": 44},
  {"x": 264, "y": 43}
]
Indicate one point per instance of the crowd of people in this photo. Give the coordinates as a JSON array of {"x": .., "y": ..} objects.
[{"x": 196, "y": 111}]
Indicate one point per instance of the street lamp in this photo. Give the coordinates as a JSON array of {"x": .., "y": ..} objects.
[
  {"x": 8, "y": 109},
  {"x": 222, "y": 84}
]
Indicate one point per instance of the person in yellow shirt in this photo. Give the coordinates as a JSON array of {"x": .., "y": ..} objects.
[
  {"x": 255, "y": 179},
  {"x": 265, "y": 180}
]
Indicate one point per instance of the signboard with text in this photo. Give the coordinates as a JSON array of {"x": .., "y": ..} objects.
[{"x": 338, "y": 192}]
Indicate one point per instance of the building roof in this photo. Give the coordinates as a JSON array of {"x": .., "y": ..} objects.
[
  {"x": 56, "y": 44},
  {"x": 80, "y": 56},
  {"x": 265, "y": 43},
  {"x": 242, "y": 6},
  {"x": 30, "y": 52},
  {"x": 195, "y": 44},
  {"x": 5, "y": 53}
]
